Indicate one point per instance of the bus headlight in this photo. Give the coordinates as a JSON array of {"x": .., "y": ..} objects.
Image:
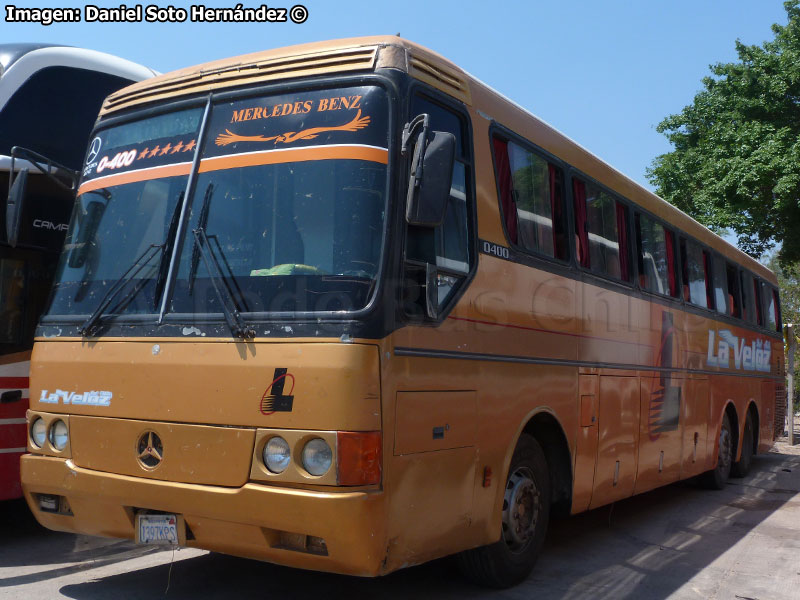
[
  {"x": 317, "y": 457},
  {"x": 38, "y": 432},
  {"x": 277, "y": 454},
  {"x": 58, "y": 435}
]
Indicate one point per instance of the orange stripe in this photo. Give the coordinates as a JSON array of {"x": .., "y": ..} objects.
[
  {"x": 271, "y": 157},
  {"x": 134, "y": 176},
  {"x": 268, "y": 157}
]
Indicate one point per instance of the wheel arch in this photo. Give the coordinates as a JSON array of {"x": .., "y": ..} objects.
[{"x": 543, "y": 425}]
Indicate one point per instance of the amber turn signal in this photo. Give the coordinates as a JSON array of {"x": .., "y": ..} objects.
[{"x": 358, "y": 457}]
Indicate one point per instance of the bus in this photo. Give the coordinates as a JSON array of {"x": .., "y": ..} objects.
[
  {"x": 49, "y": 99},
  {"x": 343, "y": 307}
]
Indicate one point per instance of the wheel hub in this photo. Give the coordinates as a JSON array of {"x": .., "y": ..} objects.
[{"x": 521, "y": 505}]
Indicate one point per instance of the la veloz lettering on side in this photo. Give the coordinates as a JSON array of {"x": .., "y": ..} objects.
[
  {"x": 752, "y": 357},
  {"x": 92, "y": 398}
]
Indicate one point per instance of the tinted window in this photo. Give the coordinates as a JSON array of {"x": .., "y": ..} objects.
[
  {"x": 56, "y": 99},
  {"x": 656, "y": 266},
  {"x": 771, "y": 295},
  {"x": 442, "y": 119},
  {"x": 601, "y": 231},
  {"x": 531, "y": 198},
  {"x": 758, "y": 302},
  {"x": 748, "y": 301},
  {"x": 720, "y": 285},
  {"x": 734, "y": 293},
  {"x": 694, "y": 273}
]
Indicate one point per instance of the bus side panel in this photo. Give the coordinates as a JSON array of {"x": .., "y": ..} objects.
[
  {"x": 695, "y": 426},
  {"x": 615, "y": 472},
  {"x": 766, "y": 415},
  {"x": 13, "y": 430}
]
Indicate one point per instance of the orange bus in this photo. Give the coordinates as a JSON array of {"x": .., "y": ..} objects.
[{"x": 343, "y": 307}]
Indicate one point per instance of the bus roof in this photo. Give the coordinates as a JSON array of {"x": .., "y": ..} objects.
[
  {"x": 18, "y": 62},
  {"x": 369, "y": 53}
]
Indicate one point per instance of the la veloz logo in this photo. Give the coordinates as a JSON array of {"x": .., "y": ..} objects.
[
  {"x": 273, "y": 399},
  {"x": 754, "y": 356},
  {"x": 92, "y": 398}
]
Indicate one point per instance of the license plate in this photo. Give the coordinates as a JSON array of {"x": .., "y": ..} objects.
[{"x": 157, "y": 529}]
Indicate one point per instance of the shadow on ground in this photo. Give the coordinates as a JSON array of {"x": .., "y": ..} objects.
[
  {"x": 25, "y": 543},
  {"x": 644, "y": 547}
]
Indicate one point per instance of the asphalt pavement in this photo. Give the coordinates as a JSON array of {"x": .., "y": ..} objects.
[{"x": 681, "y": 541}]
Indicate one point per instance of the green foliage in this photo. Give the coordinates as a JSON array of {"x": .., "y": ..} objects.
[
  {"x": 736, "y": 162},
  {"x": 789, "y": 287}
]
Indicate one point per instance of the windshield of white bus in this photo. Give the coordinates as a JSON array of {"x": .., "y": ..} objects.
[{"x": 288, "y": 203}]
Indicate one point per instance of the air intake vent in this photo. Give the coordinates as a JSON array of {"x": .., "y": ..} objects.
[
  {"x": 442, "y": 78},
  {"x": 318, "y": 63}
]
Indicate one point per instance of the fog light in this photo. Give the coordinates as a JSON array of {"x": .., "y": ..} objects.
[
  {"x": 58, "y": 435},
  {"x": 277, "y": 454},
  {"x": 317, "y": 457},
  {"x": 38, "y": 432}
]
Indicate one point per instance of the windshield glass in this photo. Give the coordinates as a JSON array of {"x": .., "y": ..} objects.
[
  {"x": 289, "y": 204},
  {"x": 123, "y": 209}
]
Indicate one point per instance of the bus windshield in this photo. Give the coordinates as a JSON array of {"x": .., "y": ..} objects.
[{"x": 286, "y": 213}]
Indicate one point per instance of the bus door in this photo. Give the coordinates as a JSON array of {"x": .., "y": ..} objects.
[{"x": 618, "y": 435}]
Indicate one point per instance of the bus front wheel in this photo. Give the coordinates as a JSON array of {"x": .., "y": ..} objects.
[{"x": 526, "y": 512}]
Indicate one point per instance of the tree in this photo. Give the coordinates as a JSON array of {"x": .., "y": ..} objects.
[
  {"x": 789, "y": 285},
  {"x": 736, "y": 162}
]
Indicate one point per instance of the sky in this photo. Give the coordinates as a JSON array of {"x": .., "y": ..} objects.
[{"x": 603, "y": 73}]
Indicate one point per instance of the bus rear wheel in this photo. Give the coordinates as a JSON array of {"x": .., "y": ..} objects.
[
  {"x": 717, "y": 477},
  {"x": 526, "y": 512},
  {"x": 742, "y": 467}
]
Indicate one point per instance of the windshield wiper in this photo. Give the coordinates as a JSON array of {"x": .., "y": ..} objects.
[
  {"x": 232, "y": 315},
  {"x": 202, "y": 221},
  {"x": 140, "y": 263},
  {"x": 169, "y": 245}
]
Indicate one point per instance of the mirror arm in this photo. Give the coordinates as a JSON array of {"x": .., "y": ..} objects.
[
  {"x": 39, "y": 161},
  {"x": 411, "y": 127}
]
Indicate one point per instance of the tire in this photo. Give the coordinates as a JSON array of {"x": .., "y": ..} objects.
[
  {"x": 526, "y": 512},
  {"x": 717, "y": 477},
  {"x": 742, "y": 467}
]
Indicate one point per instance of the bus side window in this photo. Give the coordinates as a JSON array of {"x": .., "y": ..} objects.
[
  {"x": 531, "y": 198},
  {"x": 601, "y": 225},
  {"x": 655, "y": 249},
  {"x": 709, "y": 283},
  {"x": 748, "y": 308},
  {"x": 734, "y": 298},
  {"x": 720, "y": 286},
  {"x": 773, "y": 309},
  {"x": 758, "y": 302},
  {"x": 694, "y": 273}
]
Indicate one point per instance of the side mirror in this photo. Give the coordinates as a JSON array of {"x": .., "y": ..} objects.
[
  {"x": 14, "y": 204},
  {"x": 431, "y": 174}
]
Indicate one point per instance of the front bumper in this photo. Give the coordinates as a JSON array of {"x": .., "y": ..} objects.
[{"x": 245, "y": 521}]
